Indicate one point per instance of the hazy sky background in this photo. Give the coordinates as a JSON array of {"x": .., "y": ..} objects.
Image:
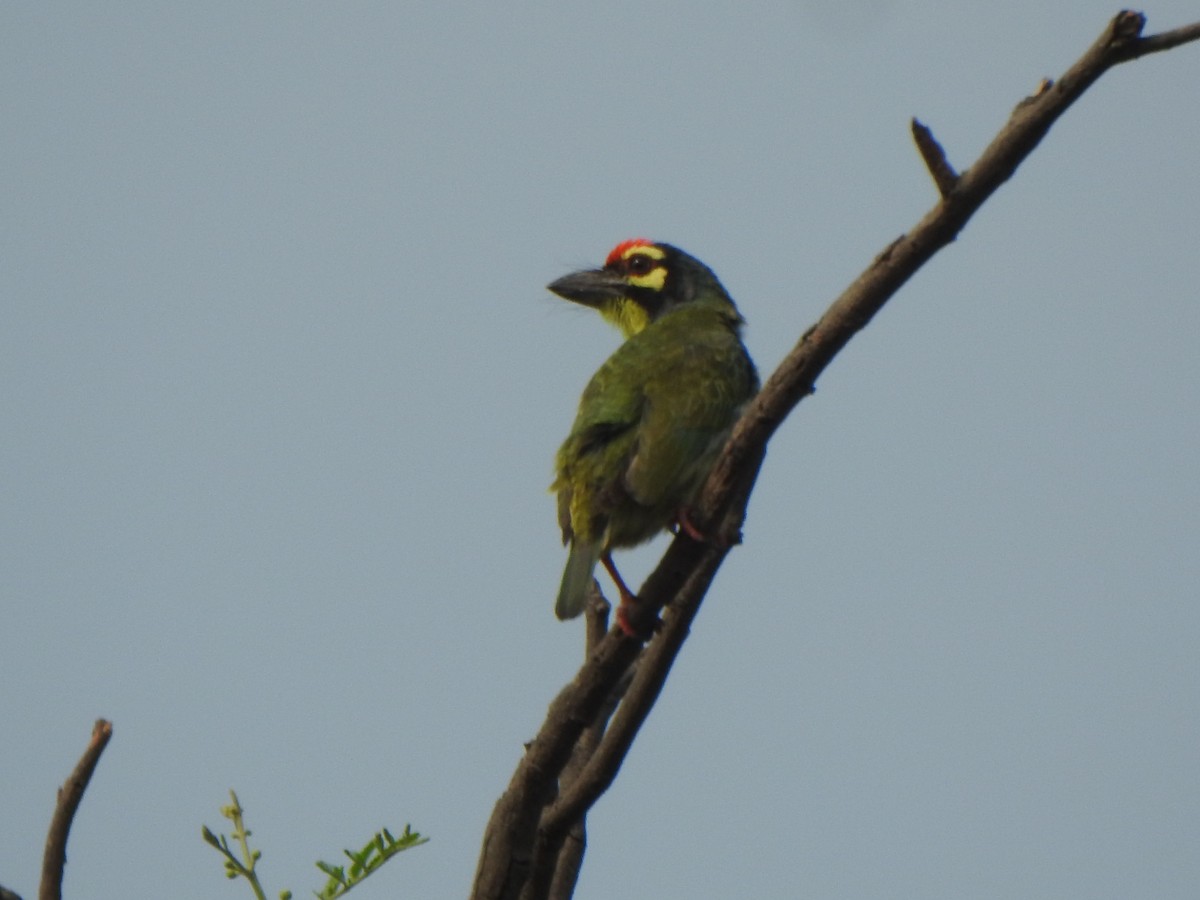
[{"x": 282, "y": 387}]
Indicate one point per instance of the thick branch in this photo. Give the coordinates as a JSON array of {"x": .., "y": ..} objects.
[
  {"x": 857, "y": 305},
  {"x": 558, "y": 857},
  {"x": 686, "y": 569},
  {"x": 651, "y": 674},
  {"x": 69, "y": 795},
  {"x": 508, "y": 841}
]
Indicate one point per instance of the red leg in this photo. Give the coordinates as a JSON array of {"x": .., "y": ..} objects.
[
  {"x": 686, "y": 526},
  {"x": 628, "y": 601},
  {"x": 627, "y": 595}
]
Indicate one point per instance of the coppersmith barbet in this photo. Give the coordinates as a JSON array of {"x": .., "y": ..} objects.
[{"x": 654, "y": 416}]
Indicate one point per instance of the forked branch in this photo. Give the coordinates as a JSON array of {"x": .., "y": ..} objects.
[{"x": 529, "y": 823}]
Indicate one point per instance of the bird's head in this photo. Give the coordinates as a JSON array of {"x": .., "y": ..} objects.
[{"x": 640, "y": 282}]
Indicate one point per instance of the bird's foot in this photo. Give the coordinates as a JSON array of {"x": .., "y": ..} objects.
[
  {"x": 684, "y": 523},
  {"x": 627, "y": 612},
  {"x": 628, "y": 615}
]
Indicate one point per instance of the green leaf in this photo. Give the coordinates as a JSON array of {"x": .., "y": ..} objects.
[{"x": 334, "y": 872}]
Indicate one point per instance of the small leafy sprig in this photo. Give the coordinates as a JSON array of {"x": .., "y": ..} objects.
[
  {"x": 235, "y": 867},
  {"x": 240, "y": 861},
  {"x": 377, "y": 851}
]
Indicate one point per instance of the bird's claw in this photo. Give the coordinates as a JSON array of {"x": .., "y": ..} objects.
[
  {"x": 641, "y": 631},
  {"x": 685, "y": 525}
]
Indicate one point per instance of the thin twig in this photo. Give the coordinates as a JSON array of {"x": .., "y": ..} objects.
[
  {"x": 55, "y": 859},
  {"x": 939, "y": 167},
  {"x": 1164, "y": 40}
]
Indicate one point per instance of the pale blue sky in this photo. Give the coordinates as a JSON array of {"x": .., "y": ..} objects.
[{"x": 282, "y": 387}]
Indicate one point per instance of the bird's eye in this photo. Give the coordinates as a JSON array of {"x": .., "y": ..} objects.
[{"x": 640, "y": 265}]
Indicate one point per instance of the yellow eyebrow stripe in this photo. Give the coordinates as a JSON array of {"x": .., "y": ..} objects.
[{"x": 643, "y": 250}]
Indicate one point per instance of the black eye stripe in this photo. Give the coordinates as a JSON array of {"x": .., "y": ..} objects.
[{"x": 641, "y": 265}]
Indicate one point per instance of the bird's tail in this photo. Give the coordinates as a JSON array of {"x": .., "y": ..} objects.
[{"x": 577, "y": 578}]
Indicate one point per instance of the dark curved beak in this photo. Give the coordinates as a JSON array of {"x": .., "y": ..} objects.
[{"x": 591, "y": 287}]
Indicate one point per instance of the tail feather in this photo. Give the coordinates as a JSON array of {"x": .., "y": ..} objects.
[{"x": 577, "y": 578}]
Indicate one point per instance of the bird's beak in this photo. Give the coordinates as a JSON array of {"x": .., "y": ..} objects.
[{"x": 592, "y": 287}]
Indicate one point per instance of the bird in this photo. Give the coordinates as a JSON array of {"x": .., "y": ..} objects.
[{"x": 654, "y": 416}]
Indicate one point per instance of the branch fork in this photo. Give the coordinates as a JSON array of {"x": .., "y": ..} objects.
[{"x": 534, "y": 841}]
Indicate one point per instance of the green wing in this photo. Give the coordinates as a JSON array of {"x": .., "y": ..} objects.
[
  {"x": 698, "y": 383},
  {"x": 649, "y": 424},
  {"x": 593, "y": 458}
]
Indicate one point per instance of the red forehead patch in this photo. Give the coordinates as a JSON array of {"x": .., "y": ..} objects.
[{"x": 618, "y": 251}]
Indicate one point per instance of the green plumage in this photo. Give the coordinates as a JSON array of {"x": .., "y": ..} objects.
[{"x": 652, "y": 419}]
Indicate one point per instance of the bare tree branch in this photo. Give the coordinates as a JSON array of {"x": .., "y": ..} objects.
[
  {"x": 897, "y": 263},
  {"x": 69, "y": 796},
  {"x": 652, "y": 670},
  {"x": 1166, "y": 40},
  {"x": 939, "y": 167},
  {"x": 532, "y": 811},
  {"x": 558, "y": 856}
]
